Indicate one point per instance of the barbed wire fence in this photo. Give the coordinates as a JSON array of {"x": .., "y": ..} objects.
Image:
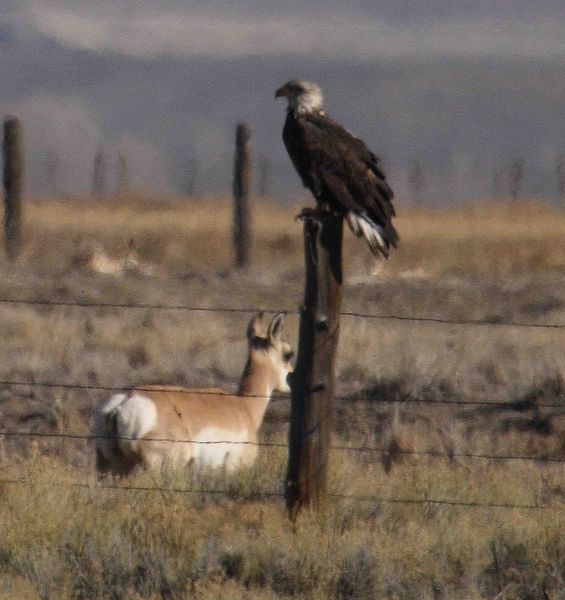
[
  {"x": 541, "y": 458},
  {"x": 337, "y": 448},
  {"x": 262, "y": 494},
  {"x": 490, "y": 322}
]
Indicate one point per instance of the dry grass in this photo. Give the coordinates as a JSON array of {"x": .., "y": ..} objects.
[
  {"x": 489, "y": 261},
  {"x": 483, "y": 238},
  {"x": 69, "y": 542}
]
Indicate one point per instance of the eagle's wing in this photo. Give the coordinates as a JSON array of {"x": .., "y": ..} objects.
[{"x": 345, "y": 170}]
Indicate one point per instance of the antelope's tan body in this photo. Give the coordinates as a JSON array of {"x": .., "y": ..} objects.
[{"x": 155, "y": 424}]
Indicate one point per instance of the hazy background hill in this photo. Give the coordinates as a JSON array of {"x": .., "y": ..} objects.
[{"x": 464, "y": 91}]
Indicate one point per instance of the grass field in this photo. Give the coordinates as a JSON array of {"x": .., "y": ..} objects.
[{"x": 62, "y": 536}]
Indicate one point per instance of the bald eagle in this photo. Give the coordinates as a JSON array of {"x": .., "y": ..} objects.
[{"x": 341, "y": 172}]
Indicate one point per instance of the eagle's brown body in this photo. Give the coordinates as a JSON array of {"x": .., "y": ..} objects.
[{"x": 341, "y": 172}]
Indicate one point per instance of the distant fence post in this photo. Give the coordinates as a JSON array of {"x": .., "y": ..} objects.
[
  {"x": 191, "y": 179},
  {"x": 560, "y": 176},
  {"x": 516, "y": 177},
  {"x": 122, "y": 174},
  {"x": 263, "y": 177},
  {"x": 13, "y": 184},
  {"x": 313, "y": 383},
  {"x": 99, "y": 172},
  {"x": 242, "y": 173}
]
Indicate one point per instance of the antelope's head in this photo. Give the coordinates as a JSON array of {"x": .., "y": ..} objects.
[{"x": 268, "y": 349}]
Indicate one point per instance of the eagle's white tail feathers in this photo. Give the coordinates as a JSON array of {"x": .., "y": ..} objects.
[{"x": 374, "y": 234}]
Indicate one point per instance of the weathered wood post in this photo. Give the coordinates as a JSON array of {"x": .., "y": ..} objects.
[
  {"x": 191, "y": 179},
  {"x": 13, "y": 184},
  {"x": 516, "y": 177},
  {"x": 242, "y": 174},
  {"x": 311, "y": 415},
  {"x": 560, "y": 177},
  {"x": 122, "y": 175},
  {"x": 99, "y": 172}
]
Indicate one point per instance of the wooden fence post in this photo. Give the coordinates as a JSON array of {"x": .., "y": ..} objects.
[
  {"x": 13, "y": 184},
  {"x": 313, "y": 383},
  {"x": 242, "y": 173},
  {"x": 99, "y": 173},
  {"x": 122, "y": 175}
]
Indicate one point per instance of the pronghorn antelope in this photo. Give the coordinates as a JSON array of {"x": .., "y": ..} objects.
[
  {"x": 208, "y": 427},
  {"x": 97, "y": 259}
]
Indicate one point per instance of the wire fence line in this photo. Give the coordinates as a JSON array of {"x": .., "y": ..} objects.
[
  {"x": 519, "y": 405},
  {"x": 275, "y": 494},
  {"x": 341, "y": 448},
  {"x": 87, "y": 436},
  {"x": 489, "y": 322}
]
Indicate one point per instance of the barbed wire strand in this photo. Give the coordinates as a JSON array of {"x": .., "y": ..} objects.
[
  {"x": 86, "y": 436},
  {"x": 273, "y": 494},
  {"x": 450, "y": 455},
  {"x": 519, "y": 405},
  {"x": 492, "y": 322},
  {"x": 340, "y": 448}
]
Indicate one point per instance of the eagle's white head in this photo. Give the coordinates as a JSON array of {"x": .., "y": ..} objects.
[{"x": 303, "y": 96}]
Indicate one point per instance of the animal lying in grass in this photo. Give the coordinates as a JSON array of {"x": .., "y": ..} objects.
[{"x": 150, "y": 425}]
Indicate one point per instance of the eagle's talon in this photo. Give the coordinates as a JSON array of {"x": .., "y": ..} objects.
[
  {"x": 307, "y": 213},
  {"x": 310, "y": 213}
]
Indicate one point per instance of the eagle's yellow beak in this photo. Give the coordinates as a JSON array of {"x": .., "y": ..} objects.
[{"x": 282, "y": 92}]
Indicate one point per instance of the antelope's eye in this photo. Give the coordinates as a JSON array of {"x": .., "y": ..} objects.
[{"x": 287, "y": 356}]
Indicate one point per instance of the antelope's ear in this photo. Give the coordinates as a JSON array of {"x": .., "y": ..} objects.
[
  {"x": 276, "y": 326},
  {"x": 256, "y": 327}
]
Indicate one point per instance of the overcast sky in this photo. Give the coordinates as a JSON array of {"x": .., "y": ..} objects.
[{"x": 463, "y": 87}]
